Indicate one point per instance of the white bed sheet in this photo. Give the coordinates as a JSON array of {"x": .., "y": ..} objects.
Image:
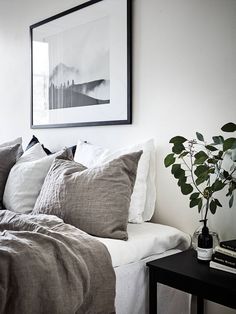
[
  {"x": 145, "y": 240},
  {"x": 132, "y": 282}
]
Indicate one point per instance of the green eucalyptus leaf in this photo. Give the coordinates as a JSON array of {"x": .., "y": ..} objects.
[
  {"x": 182, "y": 180},
  {"x": 229, "y": 143},
  {"x": 200, "y": 137},
  {"x": 233, "y": 155},
  {"x": 231, "y": 201},
  {"x": 219, "y": 155},
  {"x": 183, "y": 154},
  {"x": 179, "y": 173},
  {"x": 200, "y": 157},
  {"x": 218, "y": 140},
  {"x": 218, "y": 185},
  {"x": 178, "y": 148},
  {"x": 178, "y": 140},
  {"x": 201, "y": 169},
  {"x": 202, "y": 179},
  {"x": 226, "y": 175},
  {"x": 213, "y": 207},
  {"x": 169, "y": 160},
  {"x": 232, "y": 187},
  {"x": 200, "y": 154},
  {"x": 175, "y": 167},
  {"x": 229, "y": 127},
  {"x": 212, "y": 161},
  {"x": 200, "y": 161},
  {"x": 218, "y": 202},
  {"x": 194, "y": 202},
  {"x": 194, "y": 195},
  {"x": 211, "y": 170},
  {"x": 186, "y": 189},
  {"x": 199, "y": 205},
  {"x": 211, "y": 148}
]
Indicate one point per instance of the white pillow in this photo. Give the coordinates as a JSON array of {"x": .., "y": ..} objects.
[
  {"x": 26, "y": 179},
  {"x": 33, "y": 153},
  {"x": 88, "y": 154},
  {"x": 150, "y": 203},
  {"x": 142, "y": 204}
]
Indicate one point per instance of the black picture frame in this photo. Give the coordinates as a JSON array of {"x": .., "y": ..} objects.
[{"x": 45, "y": 98}]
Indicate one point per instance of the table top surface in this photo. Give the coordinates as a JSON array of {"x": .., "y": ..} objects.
[{"x": 185, "y": 264}]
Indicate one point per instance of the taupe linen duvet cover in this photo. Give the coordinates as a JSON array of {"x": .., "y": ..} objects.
[{"x": 48, "y": 267}]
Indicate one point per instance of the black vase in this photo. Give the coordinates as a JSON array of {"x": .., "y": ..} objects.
[{"x": 205, "y": 245}]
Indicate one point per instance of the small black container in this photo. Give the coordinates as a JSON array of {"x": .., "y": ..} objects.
[{"x": 205, "y": 245}]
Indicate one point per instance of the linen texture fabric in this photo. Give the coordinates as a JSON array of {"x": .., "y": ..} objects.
[
  {"x": 26, "y": 179},
  {"x": 18, "y": 140},
  {"x": 143, "y": 198},
  {"x": 49, "y": 267},
  {"x": 14, "y": 142},
  {"x": 8, "y": 157},
  {"x": 96, "y": 200}
]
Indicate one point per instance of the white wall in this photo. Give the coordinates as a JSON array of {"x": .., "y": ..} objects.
[{"x": 184, "y": 80}]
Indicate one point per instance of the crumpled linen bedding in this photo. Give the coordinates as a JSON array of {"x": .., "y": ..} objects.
[{"x": 47, "y": 267}]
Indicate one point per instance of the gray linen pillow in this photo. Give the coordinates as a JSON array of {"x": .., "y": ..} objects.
[
  {"x": 95, "y": 200},
  {"x": 8, "y": 157},
  {"x": 18, "y": 140}
]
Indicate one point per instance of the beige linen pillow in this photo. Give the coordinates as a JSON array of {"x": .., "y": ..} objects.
[{"x": 96, "y": 200}]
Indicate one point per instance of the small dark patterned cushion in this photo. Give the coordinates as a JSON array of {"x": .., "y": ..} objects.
[{"x": 34, "y": 141}]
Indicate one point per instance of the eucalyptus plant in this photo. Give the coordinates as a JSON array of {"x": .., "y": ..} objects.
[{"x": 203, "y": 169}]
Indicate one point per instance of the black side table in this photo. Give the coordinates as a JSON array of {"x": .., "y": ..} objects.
[{"x": 182, "y": 271}]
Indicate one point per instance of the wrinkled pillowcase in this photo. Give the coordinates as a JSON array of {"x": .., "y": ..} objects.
[
  {"x": 8, "y": 157},
  {"x": 12, "y": 143},
  {"x": 143, "y": 198},
  {"x": 26, "y": 179},
  {"x": 94, "y": 200}
]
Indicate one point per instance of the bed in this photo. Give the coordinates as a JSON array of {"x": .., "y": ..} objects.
[
  {"x": 41, "y": 251},
  {"x": 65, "y": 244},
  {"x": 147, "y": 241}
]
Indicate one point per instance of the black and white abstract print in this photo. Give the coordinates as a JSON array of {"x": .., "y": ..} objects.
[{"x": 79, "y": 72}]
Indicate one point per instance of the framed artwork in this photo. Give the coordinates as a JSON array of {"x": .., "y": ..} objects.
[{"x": 81, "y": 66}]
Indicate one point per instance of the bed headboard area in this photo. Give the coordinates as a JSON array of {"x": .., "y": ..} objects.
[{"x": 183, "y": 71}]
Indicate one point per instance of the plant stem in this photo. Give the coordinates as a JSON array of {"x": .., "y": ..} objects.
[
  {"x": 219, "y": 166},
  {"x": 191, "y": 170},
  {"x": 207, "y": 207},
  {"x": 230, "y": 174}
]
